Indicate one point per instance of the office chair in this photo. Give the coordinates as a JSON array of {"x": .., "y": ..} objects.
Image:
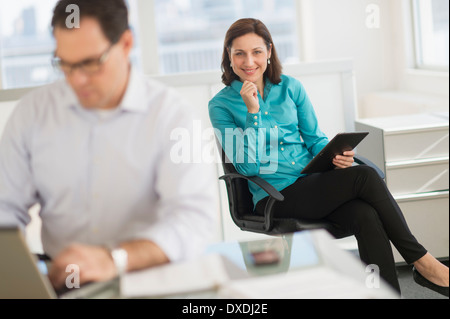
[{"x": 242, "y": 208}]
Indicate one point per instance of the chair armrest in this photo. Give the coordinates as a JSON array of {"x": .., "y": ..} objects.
[
  {"x": 269, "y": 189},
  {"x": 274, "y": 195},
  {"x": 364, "y": 161}
]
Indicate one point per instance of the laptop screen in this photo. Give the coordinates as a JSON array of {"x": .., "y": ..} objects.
[{"x": 20, "y": 276}]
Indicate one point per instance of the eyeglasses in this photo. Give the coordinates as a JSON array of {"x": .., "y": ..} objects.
[{"x": 88, "y": 66}]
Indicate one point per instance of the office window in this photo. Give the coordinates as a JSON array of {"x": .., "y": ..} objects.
[
  {"x": 191, "y": 32},
  {"x": 432, "y": 34},
  {"x": 27, "y": 45}
]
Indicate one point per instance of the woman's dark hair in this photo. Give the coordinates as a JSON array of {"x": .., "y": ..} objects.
[
  {"x": 243, "y": 27},
  {"x": 112, "y": 15}
]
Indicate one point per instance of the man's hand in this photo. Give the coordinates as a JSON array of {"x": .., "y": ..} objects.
[
  {"x": 345, "y": 160},
  {"x": 94, "y": 262},
  {"x": 249, "y": 93}
]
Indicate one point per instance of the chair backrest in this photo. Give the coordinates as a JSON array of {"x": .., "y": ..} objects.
[{"x": 239, "y": 196}]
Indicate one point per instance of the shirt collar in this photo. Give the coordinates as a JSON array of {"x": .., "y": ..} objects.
[
  {"x": 237, "y": 85},
  {"x": 133, "y": 99}
]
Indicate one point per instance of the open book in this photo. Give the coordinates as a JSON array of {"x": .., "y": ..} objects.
[{"x": 207, "y": 273}]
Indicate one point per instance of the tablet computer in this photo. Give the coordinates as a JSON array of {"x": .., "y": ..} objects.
[{"x": 341, "y": 143}]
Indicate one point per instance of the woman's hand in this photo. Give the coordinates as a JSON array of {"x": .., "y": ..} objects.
[
  {"x": 345, "y": 160},
  {"x": 249, "y": 93}
]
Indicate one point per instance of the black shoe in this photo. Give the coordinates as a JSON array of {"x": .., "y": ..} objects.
[{"x": 421, "y": 280}]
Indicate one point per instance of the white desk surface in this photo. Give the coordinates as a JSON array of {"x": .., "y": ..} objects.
[
  {"x": 311, "y": 266},
  {"x": 409, "y": 122}
]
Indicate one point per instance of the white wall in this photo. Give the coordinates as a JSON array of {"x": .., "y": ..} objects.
[
  {"x": 339, "y": 31},
  {"x": 386, "y": 82}
]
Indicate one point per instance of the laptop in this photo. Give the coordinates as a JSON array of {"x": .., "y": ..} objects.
[{"x": 23, "y": 275}]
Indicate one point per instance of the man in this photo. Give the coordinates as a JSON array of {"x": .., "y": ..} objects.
[{"x": 94, "y": 152}]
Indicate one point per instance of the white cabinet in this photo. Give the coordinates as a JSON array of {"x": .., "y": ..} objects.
[{"x": 413, "y": 151}]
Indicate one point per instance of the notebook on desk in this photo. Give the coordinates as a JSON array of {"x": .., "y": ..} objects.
[{"x": 21, "y": 276}]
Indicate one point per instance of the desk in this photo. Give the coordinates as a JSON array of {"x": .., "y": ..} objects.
[
  {"x": 311, "y": 266},
  {"x": 310, "y": 263},
  {"x": 413, "y": 151}
]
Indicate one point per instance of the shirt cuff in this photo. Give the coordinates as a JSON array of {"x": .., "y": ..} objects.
[{"x": 253, "y": 120}]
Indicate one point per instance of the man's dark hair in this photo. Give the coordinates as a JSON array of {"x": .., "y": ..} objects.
[{"x": 111, "y": 14}]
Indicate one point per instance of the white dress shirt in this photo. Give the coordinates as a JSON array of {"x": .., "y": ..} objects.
[{"x": 102, "y": 179}]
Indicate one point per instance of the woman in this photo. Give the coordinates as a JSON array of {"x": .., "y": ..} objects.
[{"x": 268, "y": 127}]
